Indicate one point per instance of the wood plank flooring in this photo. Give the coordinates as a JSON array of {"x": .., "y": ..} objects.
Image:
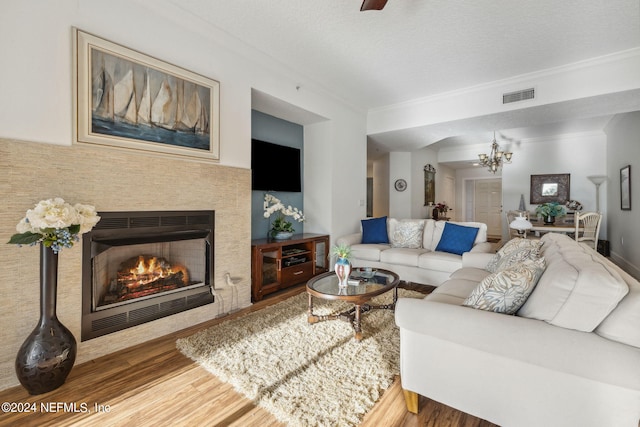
[{"x": 153, "y": 384}]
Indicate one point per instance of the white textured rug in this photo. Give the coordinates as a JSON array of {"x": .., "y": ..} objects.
[{"x": 305, "y": 375}]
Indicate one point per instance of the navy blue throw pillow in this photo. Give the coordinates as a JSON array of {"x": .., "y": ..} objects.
[
  {"x": 457, "y": 239},
  {"x": 375, "y": 230}
]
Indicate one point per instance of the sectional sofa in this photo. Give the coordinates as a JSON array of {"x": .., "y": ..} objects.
[
  {"x": 568, "y": 355},
  {"x": 419, "y": 250}
]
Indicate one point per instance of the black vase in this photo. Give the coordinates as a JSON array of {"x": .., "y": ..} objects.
[
  {"x": 548, "y": 219},
  {"x": 435, "y": 213},
  {"x": 49, "y": 352}
]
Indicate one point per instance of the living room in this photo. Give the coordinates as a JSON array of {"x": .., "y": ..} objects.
[{"x": 40, "y": 158}]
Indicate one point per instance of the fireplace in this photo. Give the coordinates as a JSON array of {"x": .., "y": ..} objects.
[{"x": 141, "y": 266}]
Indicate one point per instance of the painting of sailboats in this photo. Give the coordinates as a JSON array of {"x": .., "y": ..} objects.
[{"x": 130, "y": 100}]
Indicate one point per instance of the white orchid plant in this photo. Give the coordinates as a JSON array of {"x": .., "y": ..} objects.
[
  {"x": 273, "y": 205},
  {"x": 55, "y": 223}
]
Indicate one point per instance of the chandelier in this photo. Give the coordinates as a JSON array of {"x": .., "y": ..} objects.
[{"x": 496, "y": 158}]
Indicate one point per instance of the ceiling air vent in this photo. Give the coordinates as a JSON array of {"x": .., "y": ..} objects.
[{"x": 520, "y": 95}]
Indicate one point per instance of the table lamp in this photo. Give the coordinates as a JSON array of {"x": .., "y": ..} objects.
[{"x": 521, "y": 224}]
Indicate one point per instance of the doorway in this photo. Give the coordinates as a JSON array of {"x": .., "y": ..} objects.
[{"x": 488, "y": 205}]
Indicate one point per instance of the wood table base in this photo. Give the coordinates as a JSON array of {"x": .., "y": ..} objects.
[{"x": 353, "y": 315}]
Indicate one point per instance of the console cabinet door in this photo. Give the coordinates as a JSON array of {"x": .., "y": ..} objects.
[{"x": 266, "y": 269}]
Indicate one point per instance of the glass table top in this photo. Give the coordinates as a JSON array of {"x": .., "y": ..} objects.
[{"x": 361, "y": 282}]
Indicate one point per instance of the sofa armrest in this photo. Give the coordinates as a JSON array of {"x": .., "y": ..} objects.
[
  {"x": 494, "y": 365},
  {"x": 538, "y": 343},
  {"x": 476, "y": 259},
  {"x": 484, "y": 247},
  {"x": 350, "y": 239}
]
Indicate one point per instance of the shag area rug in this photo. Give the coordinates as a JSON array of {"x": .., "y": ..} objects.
[{"x": 304, "y": 374}]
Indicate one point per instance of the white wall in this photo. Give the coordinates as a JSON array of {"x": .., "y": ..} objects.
[
  {"x": 400, "y": 168},
  {"x": 623, "y": 148}
]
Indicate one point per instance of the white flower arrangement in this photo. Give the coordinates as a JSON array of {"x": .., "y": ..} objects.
[
  {"x": 55, "y": 223},
  {"x": 273, "y": 205}
]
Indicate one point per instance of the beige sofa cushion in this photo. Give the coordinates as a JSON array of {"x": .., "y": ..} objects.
[
  {"x": 440, "y": 261},
  {"x": 455, "y": 291},
  {"x": 470, "y": 273},
  {"x": 575, "y": 291},
  {"x": 623, "y": 324},
  {"x": 402, "y": 256},
  {"x": 368, "y": 251}
]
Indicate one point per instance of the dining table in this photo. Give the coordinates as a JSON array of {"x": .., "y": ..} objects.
[{"x": 562, "y": 227}]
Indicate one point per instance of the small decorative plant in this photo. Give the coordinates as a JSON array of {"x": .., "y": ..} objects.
[
  {"x": 342, "y": 267},
  {"x": 281, "y": 224},
  {"x": 552, "y": 209},
  {"x": 273, "y": 205},
  {"x": 442, "y": 207},
  {"x": 55, "y": 223},
  {"x": 341, "y": 251}
]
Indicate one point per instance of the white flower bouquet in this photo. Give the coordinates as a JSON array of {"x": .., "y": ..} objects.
[
  {"x": 273, "y": 205},
  {"x": 55, "y": 223}
]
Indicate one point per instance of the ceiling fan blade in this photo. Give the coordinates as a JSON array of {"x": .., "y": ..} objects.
[{"x": 373, "y": 5}]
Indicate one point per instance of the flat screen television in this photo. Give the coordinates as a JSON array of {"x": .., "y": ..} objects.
[{"x": 275, "y": 167}]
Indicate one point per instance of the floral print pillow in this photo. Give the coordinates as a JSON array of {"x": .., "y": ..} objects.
[
  {"x": 407, "y": 234},
  {"x": 514, "y": 251},
  {"x": 507, "y": 290}
]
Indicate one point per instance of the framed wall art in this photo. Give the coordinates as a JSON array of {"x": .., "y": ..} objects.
[
  {"x": 625, "y": 188},
  {"x": 126, "y": 99},
  {"x": 550, "y": 188},
  {"x": 429, "y": 185}
]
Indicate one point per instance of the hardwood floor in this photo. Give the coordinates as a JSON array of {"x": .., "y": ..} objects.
[{"x": 153, "y": 384}]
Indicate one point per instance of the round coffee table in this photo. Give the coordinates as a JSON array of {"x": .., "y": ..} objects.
[{"x": 364, "y": 285}]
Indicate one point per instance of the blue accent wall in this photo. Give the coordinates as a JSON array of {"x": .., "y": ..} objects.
[{"x": 271, "y": 129}]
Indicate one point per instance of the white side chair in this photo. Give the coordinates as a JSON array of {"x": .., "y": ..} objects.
[{"x": 590, "y": 222}]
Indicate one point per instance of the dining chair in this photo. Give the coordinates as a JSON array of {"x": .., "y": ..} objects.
[
  {"x": 511, "y": 215},
  {"x": 590, "y": 222}
]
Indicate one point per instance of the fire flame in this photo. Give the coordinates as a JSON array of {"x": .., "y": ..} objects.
[{"x": 150, "y": 269}]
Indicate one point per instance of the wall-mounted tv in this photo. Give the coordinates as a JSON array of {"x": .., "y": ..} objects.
[{"x": 275, "y": 167}]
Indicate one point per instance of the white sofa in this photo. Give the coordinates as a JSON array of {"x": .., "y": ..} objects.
[
  {"x": 423, "y": 264},
  {"x": 570, "y": 357}
]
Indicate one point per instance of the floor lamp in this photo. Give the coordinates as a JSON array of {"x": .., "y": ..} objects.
[{"x": 597, "y": 180}]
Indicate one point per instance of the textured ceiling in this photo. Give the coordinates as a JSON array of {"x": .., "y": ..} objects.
[{"x": 417, "y": 48}]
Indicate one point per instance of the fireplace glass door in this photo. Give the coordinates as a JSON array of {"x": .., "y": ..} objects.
[{"x": 122, "y": 274}]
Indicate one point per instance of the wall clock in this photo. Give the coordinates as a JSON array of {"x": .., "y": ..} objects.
[{"x": 401, "y": 185}]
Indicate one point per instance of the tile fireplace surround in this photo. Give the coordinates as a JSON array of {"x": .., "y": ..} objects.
[{"x": 111, "y": 180}]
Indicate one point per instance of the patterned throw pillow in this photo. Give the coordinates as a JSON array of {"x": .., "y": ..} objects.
[
  {"x": 507, "y": 290},
  {"x": 407, "y": 234},
  {"x": 514, "y": 251}
]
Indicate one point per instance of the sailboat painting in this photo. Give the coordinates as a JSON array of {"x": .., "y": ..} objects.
[{"x": 130, "y": 100}]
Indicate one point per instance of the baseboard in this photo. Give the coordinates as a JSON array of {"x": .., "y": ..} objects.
[{"x": 625, "y": 265}]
